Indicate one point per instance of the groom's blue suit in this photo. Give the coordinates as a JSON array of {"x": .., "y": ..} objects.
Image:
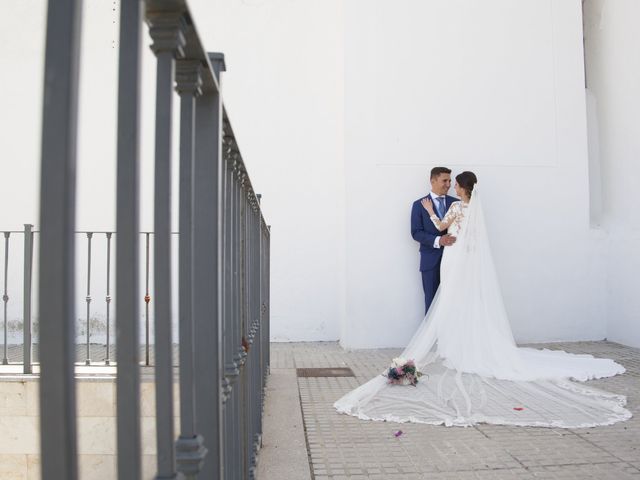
[{"x": 424, "y": 231}]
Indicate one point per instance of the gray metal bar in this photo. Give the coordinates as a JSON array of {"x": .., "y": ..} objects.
[
  {"x": 237, "y": 252},
  {"x": 128, "y": 242},
  {"x": 190, "y": 451},
  {"x": 230, "y": 365},
  {"x": 257, "y": 431},
  {"x": 107, "y": 359},
  {"x": 233, "y": 470},
  {"x": 241, "y": 320},
  {"x": 268, "y": 296},
  {"x": 57, "y": 242},
  {"x": 233, "y": 245},
  {"x": 27, "y": 343},
  {"x": 88, "y": 297},
  {"x": 188, "y": 83},
  {"x": 237, "y": 323},
  {"x": 244, "y": 279},
  {"x": 167, "y": 32},
  {"x": 162, "y": 268},
  {"x": 147, "y": 299},
  {"x": 264, "y": 320},
  {"x": 256, "y": 345},
  {"x": 250, "y": 269},
  {"x": 5, "y": 297},
  {"x": 249, "y": 352},
  {"x": 218, "y": 64},
  {"x": 225, "y": 286},
  {"x": 208, "y": 282},
  {"x": 242, "y": 317}
]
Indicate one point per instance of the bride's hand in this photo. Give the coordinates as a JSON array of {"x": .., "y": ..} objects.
[{"x": 428, "y": 205}]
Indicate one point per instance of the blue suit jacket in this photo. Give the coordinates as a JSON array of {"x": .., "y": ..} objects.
[{"x": 425, "y": 232}]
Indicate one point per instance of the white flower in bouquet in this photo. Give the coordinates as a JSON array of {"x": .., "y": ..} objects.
[{"x": 399, "y": 361}]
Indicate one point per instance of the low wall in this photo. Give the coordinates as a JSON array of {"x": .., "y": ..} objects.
[{"x": 96, "y": 423}]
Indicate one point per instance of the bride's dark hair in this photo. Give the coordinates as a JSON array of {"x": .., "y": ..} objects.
[{"x": 467, "y": 180}]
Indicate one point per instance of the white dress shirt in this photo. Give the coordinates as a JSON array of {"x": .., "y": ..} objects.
[{"x": 436, "y": 242}]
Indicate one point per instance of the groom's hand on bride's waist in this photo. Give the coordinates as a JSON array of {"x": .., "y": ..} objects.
[{"x": 447, "y": 240}]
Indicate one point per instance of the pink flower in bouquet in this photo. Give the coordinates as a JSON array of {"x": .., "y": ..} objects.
[
  {"x": 411, "y": 363},
  {"x": 399, "y": 371}
]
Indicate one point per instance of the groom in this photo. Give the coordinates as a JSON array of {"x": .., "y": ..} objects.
[{"x": 431, "y": 240}]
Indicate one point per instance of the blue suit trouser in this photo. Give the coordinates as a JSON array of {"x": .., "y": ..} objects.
[{"x": 430, "y": 283}]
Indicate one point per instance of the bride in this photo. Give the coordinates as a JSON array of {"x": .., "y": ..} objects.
[{"x": 473, "y": 371}]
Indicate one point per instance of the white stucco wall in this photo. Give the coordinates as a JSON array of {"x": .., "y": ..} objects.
[
  {"x": 21, "y": 111},
  {"x": 341, "y": 109},
  {"x": 284, "y": 92},
  {"x": 612, "y": 41},
  {"x": 495, "y": 87}
]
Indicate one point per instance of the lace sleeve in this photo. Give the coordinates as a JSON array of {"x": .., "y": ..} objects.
[{"x": 448, "y": 219}]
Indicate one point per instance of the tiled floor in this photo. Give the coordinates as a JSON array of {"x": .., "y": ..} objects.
[{"x": 343, "y": 447}]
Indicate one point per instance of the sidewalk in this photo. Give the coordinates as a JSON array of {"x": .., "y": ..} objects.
[{"x": 331, "y": 446}]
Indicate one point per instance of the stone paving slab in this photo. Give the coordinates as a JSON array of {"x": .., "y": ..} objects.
[
  {"x": 344, "y": 447},
  {"x": 284, "y": 453}
]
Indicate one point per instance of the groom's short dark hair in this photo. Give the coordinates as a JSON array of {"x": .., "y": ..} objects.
[{"x": 438, "y": 171}]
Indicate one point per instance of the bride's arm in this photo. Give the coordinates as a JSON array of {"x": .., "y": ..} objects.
[{"x": 446, "y": 221}]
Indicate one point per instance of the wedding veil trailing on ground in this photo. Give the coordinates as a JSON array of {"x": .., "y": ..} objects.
[{"x": 474, "y": 371}]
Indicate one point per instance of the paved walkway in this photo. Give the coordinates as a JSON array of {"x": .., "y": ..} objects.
[{"x": 305, "y": 438}]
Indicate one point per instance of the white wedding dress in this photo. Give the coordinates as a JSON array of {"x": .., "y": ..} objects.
[{"x": 473, "y": 370}]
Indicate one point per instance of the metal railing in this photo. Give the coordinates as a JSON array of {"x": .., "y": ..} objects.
[
  {"x": 223, "y": 259},
  {"x": 98, "y": 346},
  {"x": 27, "y": 273}
]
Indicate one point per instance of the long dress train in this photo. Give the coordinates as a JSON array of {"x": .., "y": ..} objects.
[{"x": 473, "y": 370}]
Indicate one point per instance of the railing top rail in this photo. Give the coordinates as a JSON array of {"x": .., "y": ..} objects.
[
  {"x": 230, "y": 142},
  {"x": 104, "y": 231},
  {"x": 193, "y": 49}
]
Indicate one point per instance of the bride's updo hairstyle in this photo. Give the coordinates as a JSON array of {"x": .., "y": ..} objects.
[{"x": 467, "y": 180}]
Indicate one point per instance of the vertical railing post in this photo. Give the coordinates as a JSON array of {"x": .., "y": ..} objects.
[
  {"x": 57, "y": 242},
  {"x": 246, "y": 306},
  {"x": 250, "y": 402},
  {"x": 207, "y": 277},
  {"x": 107, "y": 359},
  {"x": 5, "y": 296},
  {"x": 147, "y": 299},
  {"x": 237, "y": 316},
  {"x": 249, "y": 324},
  {"x": 88, "y": 297},
  {"x": 258, "y": 386},
  {"x": 167, "y": 32},
  {"x": 242, "y": 319},
  {"x": 227, "y": 316},
  {"x": 27, "y": 341},
  {"x": 190, "y": 451},
  {"x": 255, "y": 346},
  {"x": 268, "y": 296},
  {"x": 128, "y": 242},
  {"x": 262, "y": 326}
]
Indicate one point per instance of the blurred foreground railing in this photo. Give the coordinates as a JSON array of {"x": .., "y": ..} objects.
[{"x": 223, "y": 258}]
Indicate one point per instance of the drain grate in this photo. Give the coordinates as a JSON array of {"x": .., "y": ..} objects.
[{"x": 325, "y": 372}]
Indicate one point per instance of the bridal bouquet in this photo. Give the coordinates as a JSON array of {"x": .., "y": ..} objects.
[{"x": 403, "y": 372}]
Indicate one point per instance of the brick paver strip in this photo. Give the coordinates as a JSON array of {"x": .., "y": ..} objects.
[{"x": 344, "y": 447}]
